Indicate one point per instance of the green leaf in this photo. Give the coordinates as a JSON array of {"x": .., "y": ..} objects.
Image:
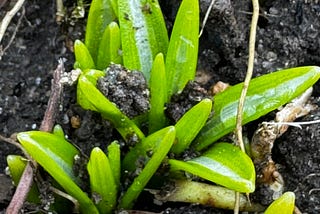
[
  {"x": 142, "y": 150},
  {"x": 90, "y": 98},
  {"x": 56, "y": 156},
  {"x": 266, "y": 93},
  {"x": 109, "y": 48},
  {"x": 182, "y": 52},
  {"x": 143, "y": 33},
  {"x": 17, "y": 164},
  {"x": 83, "y": 57},
  {"x": 190, "y": 124},
  {"x": 165, "y": 141},
  {"x": 158, "y": 91},
  {"x": 224, "y": 164},
  {"x": 114, "y": 159},
  {"x": 102, "y": 181},
  {"x": 100, "y": 15},
  {"x": 283, "y": 205},
  {"x": 58, "y": 131}
]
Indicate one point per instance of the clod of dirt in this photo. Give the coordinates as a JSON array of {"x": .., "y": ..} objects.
[
  {"x": 182, "y": 102},
  {"x": 127, "y": 89}
]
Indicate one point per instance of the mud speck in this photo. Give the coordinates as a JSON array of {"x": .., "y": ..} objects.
[{"x": 127, "y": 89}]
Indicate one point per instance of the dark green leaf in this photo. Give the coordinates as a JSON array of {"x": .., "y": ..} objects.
[
  {"x": 224, "y": 164},
  {"x": 265, "y": 94}
]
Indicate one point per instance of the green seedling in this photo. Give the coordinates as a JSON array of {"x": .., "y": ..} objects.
[{"x": 133, "y": 34}]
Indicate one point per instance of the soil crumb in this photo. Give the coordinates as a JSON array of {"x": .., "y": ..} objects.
[{"x": 127, "y": 89}]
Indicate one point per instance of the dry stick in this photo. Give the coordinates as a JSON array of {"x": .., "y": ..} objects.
[
  {"x": 252, "y": 41},
  {"x": 47, "y": 124},
  {"x": 6, "y": 20}
]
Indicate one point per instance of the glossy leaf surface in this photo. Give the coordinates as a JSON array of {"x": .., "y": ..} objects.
[
  {"x": 100, "y": 15},
  {"x": 83, "y": 57},
  {"x": 89, "y": 97},
  {"x": 114, "y": 159},
  {"x": 163, "y": 145},
  {"x": 158, "y": 91},
  {"x": 109, "y": 48},
  {"x": 190, "y": 124},
  {"x": 181, "y": 60},
  {"x": 283, "y": 205},
  {"x": 143, "y": 33},
  {"x": 56, "y": 156},
  {"x": 102, "y": 182},
  {"x": 224, "y": 164},
  {"x": 17, "y": 164},
  {"x": 266, "y": 93}
]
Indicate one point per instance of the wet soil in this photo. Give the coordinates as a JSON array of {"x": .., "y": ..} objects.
[{"x": 288, "y": 35}]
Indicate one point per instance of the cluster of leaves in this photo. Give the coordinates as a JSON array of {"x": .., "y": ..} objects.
[{"x": 133, "y": 33}]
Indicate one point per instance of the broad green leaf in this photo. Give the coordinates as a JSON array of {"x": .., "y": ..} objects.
[
  {"x": 190, "y": 124},
  {"x": 181, "y": 60},
  {"x": 224, "y": 164},
  {"x": 83, "y": 57},
  {"x": 115, "y": 162},
  {"x": 143, "y": 149},
  {"x": 283, "y": 205},
  {"x": 158, "y": 91},
  {"x": 114, "y": 4},
  {"x": 56, "y": 156},
  {"x": 109, "y": 48},
  {"x": 165, "y": 142},
  {"x": 266, "y": 93},
  {"x": 102, "y": 182},
  {"x": 89, "y": 97},
  {"x": 100, "y": 15},
  {"x": 143, "y": 33},
  {"x": 17, "y": 164}
]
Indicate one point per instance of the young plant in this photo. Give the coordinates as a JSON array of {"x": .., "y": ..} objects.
[{"x": 167, "y": 66}]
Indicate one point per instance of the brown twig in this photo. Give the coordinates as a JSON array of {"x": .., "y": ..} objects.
[{"x": 47, "y": 124}]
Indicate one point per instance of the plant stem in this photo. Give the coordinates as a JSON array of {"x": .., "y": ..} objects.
[{"x": 252, "y": 41}]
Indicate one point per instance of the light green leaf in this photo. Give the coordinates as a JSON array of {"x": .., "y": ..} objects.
[
  {"x": 102, "y": 181},
  {"x": 283, "y": 205},
  {"x": 143, "y": 33},
  {"x": 266, "y": 93},
  {"x": 17, "y": 164},
  {"x": 164, "y": 144},
  {"x": 158, "y": 91},
  {"x": 89, "y": 97},
  {"x": 224, "y": 164},
  {"x": 56, "y": 156},
  {"x": 181, "y": 60},
  {"x": 83, "y": 57},
  {"x": 115, "y": 162},
  {"x": 190, "y": 124},
  {"x": 109, "y": 48},
  {"x": 100, "y": 15}
]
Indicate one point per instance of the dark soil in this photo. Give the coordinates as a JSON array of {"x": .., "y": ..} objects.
[{"x": 288, "y": 35}]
